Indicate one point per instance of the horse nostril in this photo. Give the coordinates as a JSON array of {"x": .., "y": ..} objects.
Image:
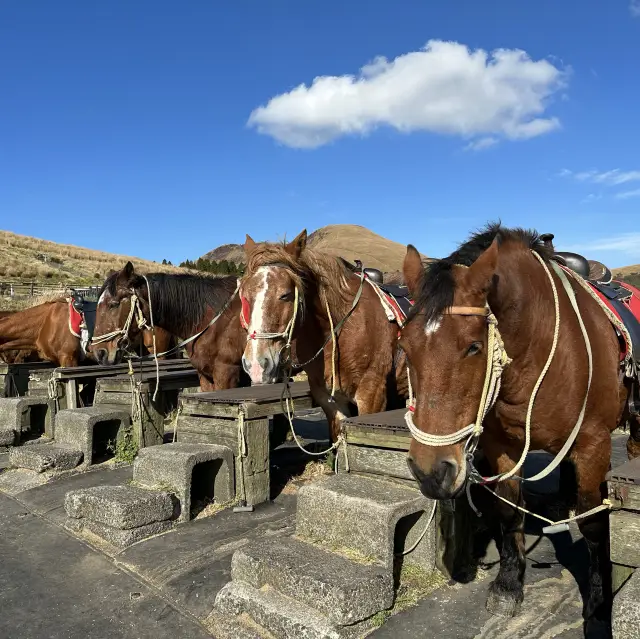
[
  {"x": 445, "y": 472},
  {"x": 246, "y": 365},
  {"x": 264, "y": 363}
]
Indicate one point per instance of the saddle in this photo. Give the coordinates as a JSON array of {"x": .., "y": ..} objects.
[{"x": 82, "y": 318}]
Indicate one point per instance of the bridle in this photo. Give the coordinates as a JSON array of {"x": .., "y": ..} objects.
[{"x": 135, "y": 312}]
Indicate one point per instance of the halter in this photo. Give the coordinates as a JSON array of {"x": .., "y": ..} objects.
[{"x": 135, "y": 311}]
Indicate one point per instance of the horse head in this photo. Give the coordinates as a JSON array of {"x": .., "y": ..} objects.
[
  {"x": 445, "y": 341},
  {"x": 122, "y": 307},
  {"x": 271, "y": 292}
]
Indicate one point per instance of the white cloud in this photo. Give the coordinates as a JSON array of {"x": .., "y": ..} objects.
[
  {"x": 481, "y": 143},
  {"x": 613, "y": 177},
  {"x": 443, "y": 88},
  {"x": 625, "y": 243},
  {"x": 625, "y": 195},
  {"x": 634, "y": 7},
  {"x": 592, "y": 197}
]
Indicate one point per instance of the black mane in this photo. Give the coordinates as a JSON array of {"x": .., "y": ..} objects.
[
  {"x": 438, "y": 285},
  {"x": 180, "y": 300}
]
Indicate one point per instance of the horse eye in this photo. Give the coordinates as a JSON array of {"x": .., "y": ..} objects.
[
  {"x": 287, "y": 297},
  {"x": 474, "y": 349}
]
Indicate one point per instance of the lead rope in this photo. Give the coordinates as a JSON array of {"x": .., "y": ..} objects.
[{"x": 153, "y": 337}]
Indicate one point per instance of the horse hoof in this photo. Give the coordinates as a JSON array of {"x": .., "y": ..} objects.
[{"x": 502, "y": 605}]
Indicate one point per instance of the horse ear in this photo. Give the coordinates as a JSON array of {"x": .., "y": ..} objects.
[
  {"x": 249, "y": 245},
  {"x": 126, "y": 275},
  {"x": 480, "y": 274},
  {"x": 412, "y": 270},
  {"x": 296, "y": 246}
]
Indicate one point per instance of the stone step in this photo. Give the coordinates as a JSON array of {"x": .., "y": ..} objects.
[
  {"x": 82, "y": 428},
  {"x": 241, "y": 627},
  {"x": 625, "y": 615},
  {"x": 116, "y": 536},
  {"x": 374, "y": 518},
  {"x": 45, "y": 456},
  {"x": 343, "y": 590},
  {"x": 16, "y": 417},
  {"x": 283, "y": 617},
  {"x": 122, "y": 507},
  {"x": 182, "y": 468}
]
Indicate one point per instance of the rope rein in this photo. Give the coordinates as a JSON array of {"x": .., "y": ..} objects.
[{"x": 497, "y": 359}]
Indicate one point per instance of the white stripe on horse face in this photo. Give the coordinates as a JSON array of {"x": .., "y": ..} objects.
[
  {"x": 103, "y": 297},
  {"x": 257, "y": 312}
]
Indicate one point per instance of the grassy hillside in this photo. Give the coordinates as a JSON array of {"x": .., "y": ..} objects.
[
  {"x": 29, "y": 259},
  {"x": 349, "y": 241}
]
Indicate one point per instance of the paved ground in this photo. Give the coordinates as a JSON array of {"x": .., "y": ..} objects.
[{"x": 54, "y": 585}]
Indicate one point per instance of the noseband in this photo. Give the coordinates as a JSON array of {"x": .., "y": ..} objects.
[
  {"x": 497, "y": 359},
  {"x": 134, "y": 312}
]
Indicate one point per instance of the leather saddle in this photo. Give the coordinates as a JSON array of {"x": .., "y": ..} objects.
[{"x": 87, "y": 310}]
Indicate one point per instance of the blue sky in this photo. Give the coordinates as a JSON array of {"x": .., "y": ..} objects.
[{"x": 163, "y": 129}]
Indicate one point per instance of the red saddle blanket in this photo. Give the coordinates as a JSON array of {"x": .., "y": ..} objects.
[
  {"x": 623, "y": 300},
  {"x": 75, "y": 320}
]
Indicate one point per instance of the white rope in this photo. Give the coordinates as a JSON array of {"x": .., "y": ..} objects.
[
  {"x": 153, "y": 337},
  {"x": 422, "y": 534}
]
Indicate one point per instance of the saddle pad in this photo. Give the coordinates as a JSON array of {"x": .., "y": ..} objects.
[
  {"x": 75, "y": 320},
  {"x": 399, "y": 300},
  {"x": 625, "y": 305}
]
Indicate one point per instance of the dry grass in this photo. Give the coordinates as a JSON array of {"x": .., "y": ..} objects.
[
  {"x": 626, "y": 270},
  {"x": 31, "y": 259}
]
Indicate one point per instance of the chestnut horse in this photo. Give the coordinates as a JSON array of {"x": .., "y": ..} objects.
[
  {"x": 506, "y": 275},
  {"x": 369, "y": 369},
  {"x": 182, "y": 304},
  {"x": 17, "y": 356},
  {"x": 43, "y": 328}
]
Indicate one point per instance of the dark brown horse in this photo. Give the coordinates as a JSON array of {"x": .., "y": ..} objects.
[
  {"x": 446, "y": 346},
  {"x": 369, "y": 371},
  {"x": 45, "y": 329},
  {"x": 182, "y": 304}
]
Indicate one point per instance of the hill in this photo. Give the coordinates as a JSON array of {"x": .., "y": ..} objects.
[
  {"x": 350, "y": 241},
  {"x": 27, "y": 258}
]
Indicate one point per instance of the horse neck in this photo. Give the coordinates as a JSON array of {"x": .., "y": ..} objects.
[{"x": 522, "y": 305}]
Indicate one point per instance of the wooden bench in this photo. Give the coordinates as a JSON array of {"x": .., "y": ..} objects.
[
  {"x": 149, "y": 429},
  {"x": 14, "y": 378},
  {"x": 624, "y": 524},
  {"x": 223, "y": 417}
]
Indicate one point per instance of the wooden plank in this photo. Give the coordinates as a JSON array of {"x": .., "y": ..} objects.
[
  {"x": 624, "y": 527},
  {"x": 192, "y": 406},
  {"x": 376, "y": 461},
  {"x": 120, "y": 369},
  {"x": 378, "y": 439},
  {"x": 71, "y": 393}
]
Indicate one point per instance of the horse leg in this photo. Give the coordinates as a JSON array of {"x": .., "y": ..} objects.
[
  {"x": 507, "y": 590},
  {"x": 591, "y": 466},
  {"x": 371, "y": 396},
  {"x": 633, "y": 443},
  {"x": 226, "y": 376},
  {"x": 206, "y": 385}
]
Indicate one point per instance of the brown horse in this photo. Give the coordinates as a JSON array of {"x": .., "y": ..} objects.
[
  {"x": 17, "y": 356},
  {"x": 43, "y": 328},
  {"x": 369, "y": 371},
  {"x": 182, "y": 304},
  {"x": 497, "y": 274}
]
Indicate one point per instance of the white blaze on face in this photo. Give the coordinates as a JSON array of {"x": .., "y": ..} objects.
[
  {"x": 103, "y": 297},
  {"x": 256, "y": 323},
  {"x": 432, "y": 326}
]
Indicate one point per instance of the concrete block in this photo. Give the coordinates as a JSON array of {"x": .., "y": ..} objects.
[
  {"x": 281, "y": 616},
  {"x": 625, "y": 616},
  {"x": 15, "y": 415},
  {"x": 224, "y": 627},
  {"x": 121, "y": 507},
  {"x": 117, "y": 537},
  {"x": 187, "y": 470},
  {"x": 375, "y": 518},
  {"x": 343, "y": 590},
  {"x": 8, "y": 436},
  {"x": 82, "y": 428},
  {"x": 45, "y": 456}
]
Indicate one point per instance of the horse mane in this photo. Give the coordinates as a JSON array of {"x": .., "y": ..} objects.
[
  {"x": 180, "y": 300},
  {"x": 328, "y": 272},
  {"x": 438, "y": 285}
]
